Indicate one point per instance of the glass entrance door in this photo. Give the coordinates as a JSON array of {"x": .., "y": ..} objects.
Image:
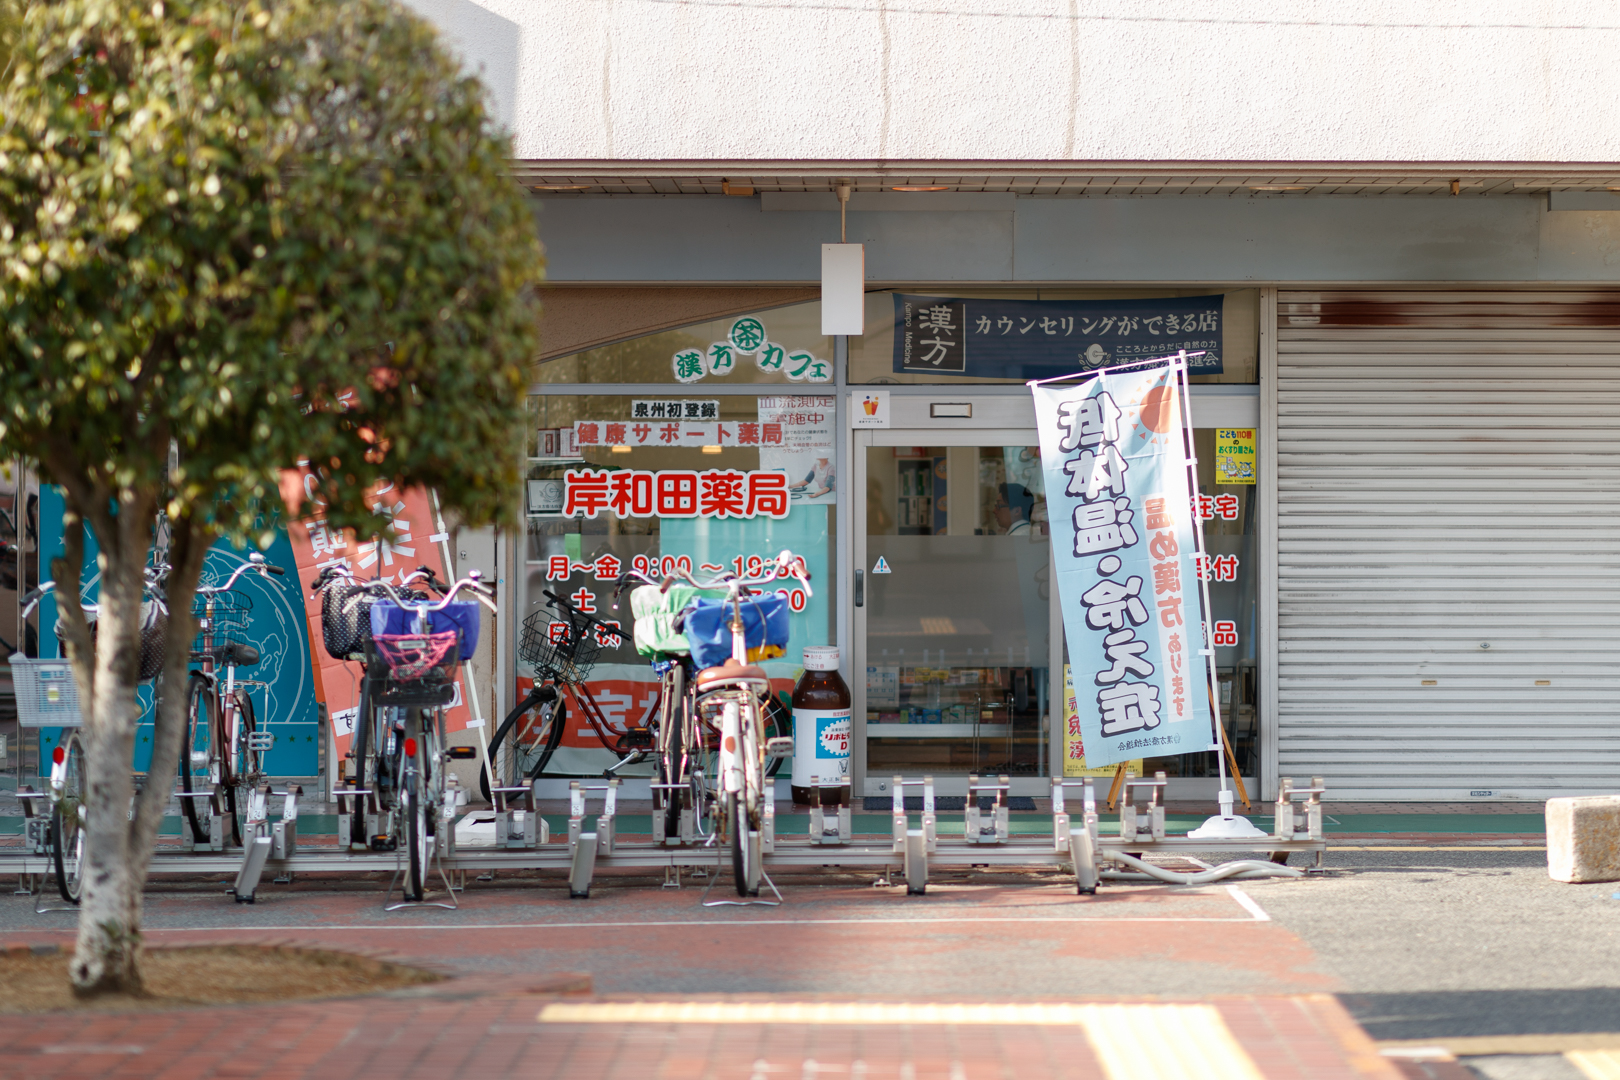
[{"x": 955, "y": 614}]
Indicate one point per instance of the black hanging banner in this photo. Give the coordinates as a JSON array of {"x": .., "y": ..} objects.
[{"x": 1042, "y": 339}]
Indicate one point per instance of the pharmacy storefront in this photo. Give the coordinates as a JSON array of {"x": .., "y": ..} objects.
[{"x": 904, "y": 466}]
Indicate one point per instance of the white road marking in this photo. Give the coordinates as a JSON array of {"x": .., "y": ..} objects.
[{"x": 1248, "y": 903}]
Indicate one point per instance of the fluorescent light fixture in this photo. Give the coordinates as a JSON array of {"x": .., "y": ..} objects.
[
  {"x": 706, "y": 449},
  {"x": 1278, "y": 187},
  {"x": 621, "y": 449},
  {"x": 559, "y": 187},
  {"x": 922, "y": 187}
]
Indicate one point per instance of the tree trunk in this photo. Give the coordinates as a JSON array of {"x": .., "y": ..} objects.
[{"x": 107, "y": 959}]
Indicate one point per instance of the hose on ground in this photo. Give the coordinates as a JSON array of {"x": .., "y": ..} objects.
[{"x": 1243, "y": 868}]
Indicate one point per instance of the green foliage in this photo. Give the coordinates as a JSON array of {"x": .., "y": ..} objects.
[{"x": 269, "y": 231}]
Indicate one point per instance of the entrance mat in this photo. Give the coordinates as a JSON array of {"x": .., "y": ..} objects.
[{"x": 945, "y": 803}]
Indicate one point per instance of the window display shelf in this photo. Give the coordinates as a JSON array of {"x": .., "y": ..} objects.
[{"x": 936, "y": 731}]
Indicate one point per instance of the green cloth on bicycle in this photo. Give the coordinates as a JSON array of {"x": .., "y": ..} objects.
[{"x": 655, "y": 611}]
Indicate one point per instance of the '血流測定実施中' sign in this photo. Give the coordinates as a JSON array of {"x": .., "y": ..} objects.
[{"x": 1042, "y": 339}]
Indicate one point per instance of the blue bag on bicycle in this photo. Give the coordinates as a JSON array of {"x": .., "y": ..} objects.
[
  {"x": 765, "y": 626},
  {"x": 461, "y": 616}
]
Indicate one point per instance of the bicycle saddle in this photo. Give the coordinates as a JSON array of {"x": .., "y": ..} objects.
[
  {"x": 239, "y": 653},
  {"x": 730, "y": 672}
]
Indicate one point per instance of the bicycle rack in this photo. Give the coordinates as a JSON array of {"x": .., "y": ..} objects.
[
  {"x": 828, "y": 828},
  {"x": 510, "y": 834},
  {"x": 1080, "y": 845},
  {"x": 974, "y": 829},
  {"x": 1132, "y": 824},
  {"x": 36, "y": 827},
  {"x": 352, "y": 800},
  {"x": 218, "y": 832},
  {"x": 583, "y": 847},
  {"x": 1286, "y": 824},
  {"x": 915, "y": 845},
  {"x": 266, "y": 840}
]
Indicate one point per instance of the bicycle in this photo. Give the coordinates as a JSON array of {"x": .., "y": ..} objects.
[
  {"x": 47, "y": 696},
  {"x": 726, "y": 706},
  {"x": 346, "y": 603},
  {"x": 224, "y": 748},
  {"x": 562, "y": 649},
  {"x": 412, "y": 652}
]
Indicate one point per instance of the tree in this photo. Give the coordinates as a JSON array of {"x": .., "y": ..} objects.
[{"x": 235, "y": 237}]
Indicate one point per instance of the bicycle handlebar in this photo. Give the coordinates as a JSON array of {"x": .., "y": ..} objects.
[{"x": 255, "y": 562}]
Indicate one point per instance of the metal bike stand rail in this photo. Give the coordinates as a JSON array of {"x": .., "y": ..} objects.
[
  {"x": 265, "y": 840},
  {"x": 974, "y": 829},
  {"x": 36, "y": 838},
  {"x": 351, "y": 801},
  {"x": 914, "y": 845},
  {"x": 218, "y": 836},
  {"x": 1079, "y": 844},
  {"x": 509, "y": 834},
  {"x": 583, "y": 847},
  {"x": 828, "y": 828}
]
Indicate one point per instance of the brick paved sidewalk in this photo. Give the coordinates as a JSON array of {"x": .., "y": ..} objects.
[{"x": 486, "y": 1027}]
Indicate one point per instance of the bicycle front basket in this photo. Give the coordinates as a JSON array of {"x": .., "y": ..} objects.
[
  {"x": 417, "y": 657},
  {"x": 47, "y": 696},
  {"x": 562, "y": 648}
]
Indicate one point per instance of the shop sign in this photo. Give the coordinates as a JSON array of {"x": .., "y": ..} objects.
[
  {"x": 748, "y": 340},
  {"x": 1113, "y": 452},
  {"x": 1234, "y": 455},
  {"x": 674, "y": 409},
  {"x": 657, "y": 433},
  {"x": 1041, "y": 339},
  {"x": 676, "y": 493}
]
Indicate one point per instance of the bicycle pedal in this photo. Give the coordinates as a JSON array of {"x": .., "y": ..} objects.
[
  {"x": 779, "y": 747},
  {"x": 261, "y": 742},
  {"x": 637, "y": 739}
]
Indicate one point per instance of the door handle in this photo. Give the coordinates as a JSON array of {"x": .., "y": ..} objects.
[{"x": 860, "y": 588}]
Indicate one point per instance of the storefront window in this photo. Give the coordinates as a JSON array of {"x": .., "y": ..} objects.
[
  {"x": 782, "y": 345},
  {"x": 750, "y": 478}
]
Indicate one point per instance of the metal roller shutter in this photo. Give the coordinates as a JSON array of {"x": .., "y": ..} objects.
[{"x": 1448, "y": 543}]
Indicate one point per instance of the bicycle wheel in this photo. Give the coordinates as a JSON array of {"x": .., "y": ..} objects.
[
  {"x": 358, "y": 745},
  {"x": 67, "y": 825},
  {"x": 671, "y": 750},
  {"x": 250, "y": 767},
  {"x": 197, "y": 749},
  {"x": 415, "y": 847},
  {"x": 531, "y": 760},
  {"x": 535, "y": 698},
  {"x": 737, "y": 826}
]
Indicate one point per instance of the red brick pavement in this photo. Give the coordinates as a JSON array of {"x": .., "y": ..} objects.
[{"x": 487, "y": 1027}]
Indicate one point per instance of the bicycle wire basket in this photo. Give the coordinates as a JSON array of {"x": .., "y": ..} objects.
[
  {"x": 47, "y": 696},
  {"x": 228, "y": 622},
  {"x": 154, "y": 628},
  {"x": 413, "y": 669},
  {"x": 564, "y": 647}
]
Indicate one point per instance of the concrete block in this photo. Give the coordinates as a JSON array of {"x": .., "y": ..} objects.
[{"x": 1583, "y": 838}]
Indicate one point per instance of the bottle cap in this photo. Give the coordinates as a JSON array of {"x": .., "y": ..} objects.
[{"x": 821, "y": 658}]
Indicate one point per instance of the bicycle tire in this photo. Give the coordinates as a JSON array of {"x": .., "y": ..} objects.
[
  {"x": 530, "y": 701},
  {"x": 67, "y": 826},
  {"x": 559, "y": 721},
  {"x": 737, "y": 825},
  {"x": 252, "y": 759},
  {"x": 671, "y": 759},
  {"x": 357, "y": 754},
  {"x": 415, "y": 854},
  {"x": 196, "y": 687}
]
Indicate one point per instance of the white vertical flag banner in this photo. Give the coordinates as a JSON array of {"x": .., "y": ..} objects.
[{"x": 1114, "y": 451}]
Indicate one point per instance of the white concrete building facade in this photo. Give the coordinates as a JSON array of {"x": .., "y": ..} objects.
[{"x": 1406, "y": 216}]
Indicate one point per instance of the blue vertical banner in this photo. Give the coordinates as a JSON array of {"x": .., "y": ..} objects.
[{"x": 1115, "y": 458}]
